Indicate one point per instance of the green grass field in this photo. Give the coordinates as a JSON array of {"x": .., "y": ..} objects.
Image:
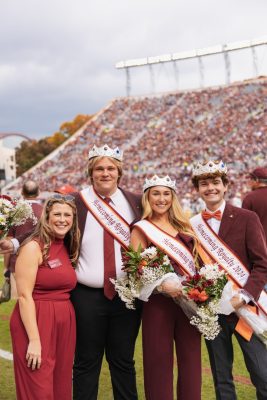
[{"x": 245, "y": 391}]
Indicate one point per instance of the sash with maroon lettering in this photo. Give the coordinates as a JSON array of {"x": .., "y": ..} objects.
[
  {"x": 107, "y": 217},
  {"x": 224, "y": 256},
  {"x": 170, "y": 245}
]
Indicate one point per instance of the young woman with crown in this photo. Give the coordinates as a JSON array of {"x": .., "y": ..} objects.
[{"x": 164, "y": 225}]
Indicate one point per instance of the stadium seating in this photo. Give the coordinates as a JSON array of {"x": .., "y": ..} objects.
[{"x": 165, "y": 133}]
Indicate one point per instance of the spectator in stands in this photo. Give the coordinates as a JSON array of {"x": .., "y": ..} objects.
[
  {"x": 256, "y": 200},
  {"x": 30, "y": 192}
]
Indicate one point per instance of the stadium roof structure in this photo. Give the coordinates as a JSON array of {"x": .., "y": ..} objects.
[{"x": 223, "y": 49}]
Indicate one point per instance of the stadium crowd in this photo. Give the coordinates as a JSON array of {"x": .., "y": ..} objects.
[{"x": 164, "y": 133}]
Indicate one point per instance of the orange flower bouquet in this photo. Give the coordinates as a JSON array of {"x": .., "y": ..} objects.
[{"x": 200, "y": 300}]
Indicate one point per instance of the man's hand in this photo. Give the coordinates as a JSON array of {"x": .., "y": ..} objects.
[
  {"x": 6, "y": 246},
  {"x": 237, "y": 301}
]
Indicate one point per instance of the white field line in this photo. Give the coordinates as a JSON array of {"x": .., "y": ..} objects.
[{"x": 6, "y": 355}]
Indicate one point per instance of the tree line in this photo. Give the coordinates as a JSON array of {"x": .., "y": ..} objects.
[{"x": 30, "y": 152}]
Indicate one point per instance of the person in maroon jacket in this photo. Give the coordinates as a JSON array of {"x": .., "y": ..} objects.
[
  {"x": 256, "y": 200},
  {"x": 238, "y": 232},
  {"x": 30, "y": 193}
]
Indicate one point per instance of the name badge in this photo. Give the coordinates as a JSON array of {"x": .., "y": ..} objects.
[{"x": 54, "y": 263}]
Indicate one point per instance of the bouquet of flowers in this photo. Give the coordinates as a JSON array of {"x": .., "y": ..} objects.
[
  {"x": 257, "y": 322},
  {"x": 200, "y": 300},
  {"x": 144, "y": 271},
  {"x": 13, "y": 212}
]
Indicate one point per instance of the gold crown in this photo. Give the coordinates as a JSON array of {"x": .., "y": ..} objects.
[
  {"x": 157, "y": 181},
  {"x": 105, "y": 151},
  {"x": 209, "y": 168}
]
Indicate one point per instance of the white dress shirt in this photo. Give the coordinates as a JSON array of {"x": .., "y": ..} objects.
[
  {"x": 90, "y": 268},
  {"x": 213, "y": 222}
]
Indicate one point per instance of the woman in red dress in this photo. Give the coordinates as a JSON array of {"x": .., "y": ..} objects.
[{"x": 43, "y": 322}]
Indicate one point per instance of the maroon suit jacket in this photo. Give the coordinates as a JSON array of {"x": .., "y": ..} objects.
[
  {"x": 257, "y": 201},
  {"x": 133, "y": 199},
  {"x": 242, "y": 231}
]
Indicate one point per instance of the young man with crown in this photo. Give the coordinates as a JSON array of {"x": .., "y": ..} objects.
[
  {"x": 164, "y": 324},
  {"x": 233, "y": 238},
  {"x": 104, "y": 324}
]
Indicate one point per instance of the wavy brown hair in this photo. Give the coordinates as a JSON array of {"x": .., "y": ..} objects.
[
  {"x": 44, "y": 234},
  {"x": 177, "y": 217}
]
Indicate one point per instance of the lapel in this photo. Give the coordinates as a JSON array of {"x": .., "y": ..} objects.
[
  {"x": 228, "y": 219},
  {"x": 134, "y": 201}
]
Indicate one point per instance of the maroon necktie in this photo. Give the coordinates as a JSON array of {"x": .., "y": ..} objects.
[{"x": 109, "y": 262}]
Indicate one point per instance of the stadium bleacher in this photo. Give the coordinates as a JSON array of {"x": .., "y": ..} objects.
[{"x": 164, "y": 134}]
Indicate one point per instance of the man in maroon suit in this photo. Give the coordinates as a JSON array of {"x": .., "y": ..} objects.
[
  {"x": 239, "y": 232},
  {"x": 30, "y": 193},
  {"x": 257, "y": 199}
]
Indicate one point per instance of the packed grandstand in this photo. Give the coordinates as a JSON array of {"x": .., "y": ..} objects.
[{"x": 165, "y": 134}]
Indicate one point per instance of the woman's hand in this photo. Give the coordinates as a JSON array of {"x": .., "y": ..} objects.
[
  {"x": 33, "y": 355},
  {"x": 171, "y": 287}
]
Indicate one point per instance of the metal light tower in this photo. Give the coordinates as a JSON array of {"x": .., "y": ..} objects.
[{"x": 198, "y": 54}]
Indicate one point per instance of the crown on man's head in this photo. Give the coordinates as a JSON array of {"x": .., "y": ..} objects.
[
  {"x": 157, "y": 181},
  {"x": 105, "y": 151},
  {"x": 210, "y": 167}
]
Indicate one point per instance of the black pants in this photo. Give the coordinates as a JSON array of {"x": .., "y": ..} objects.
[
  {"x": 221, "y": 360},
  {"x": 104, "y": 326}
]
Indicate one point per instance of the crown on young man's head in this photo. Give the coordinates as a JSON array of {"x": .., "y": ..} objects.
[
  {"x": 158, "y": 181},
  {"x": 209, "y": 167},
  {"x": 105, "y": 151}
]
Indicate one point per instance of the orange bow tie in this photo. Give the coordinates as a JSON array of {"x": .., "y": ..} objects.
[{"x": 207, "y": 215}]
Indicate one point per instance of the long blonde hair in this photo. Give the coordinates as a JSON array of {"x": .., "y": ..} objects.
[
  {"x": 177, "y": 217},
  {"x": 44, "y": 235}
]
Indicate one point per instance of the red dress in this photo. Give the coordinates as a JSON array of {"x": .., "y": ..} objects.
[{"x": 57, "y": 329}]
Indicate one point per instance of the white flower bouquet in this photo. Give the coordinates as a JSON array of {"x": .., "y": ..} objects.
[
  {"x": 144, "y": 271},
  {"x": 13, "y": 212}
]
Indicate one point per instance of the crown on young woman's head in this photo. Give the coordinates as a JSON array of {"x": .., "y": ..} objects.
[
  {"x": 105, "y": 151},
  {"x": 158, "y": 181},
  {"x": 210, "y": 167}
]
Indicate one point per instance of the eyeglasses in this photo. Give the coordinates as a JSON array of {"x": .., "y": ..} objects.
[{"x": 65, "y": 197}]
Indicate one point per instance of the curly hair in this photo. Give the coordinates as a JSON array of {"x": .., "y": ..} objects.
[{"x": 223, "y": 176}]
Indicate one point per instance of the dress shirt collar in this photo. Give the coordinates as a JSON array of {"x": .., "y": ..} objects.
[{"x": 221, "y": 208}]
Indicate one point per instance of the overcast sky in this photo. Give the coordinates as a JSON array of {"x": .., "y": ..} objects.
[{"x": 57, "y": 57}]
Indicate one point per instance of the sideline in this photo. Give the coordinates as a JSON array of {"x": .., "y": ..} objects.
[{"x": 6, "y": 355}]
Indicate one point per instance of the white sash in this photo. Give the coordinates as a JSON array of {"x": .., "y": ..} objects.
[
  {"x": 107, "y": 217},
  {"x": 222, "y": 255},
  {"x": 169, "y": 245}
]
